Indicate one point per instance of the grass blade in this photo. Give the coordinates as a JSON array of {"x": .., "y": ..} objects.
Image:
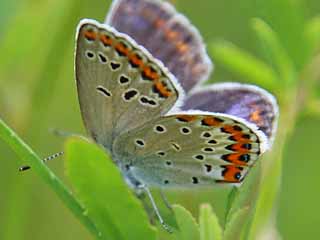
[{"x": 30, "y": 158}]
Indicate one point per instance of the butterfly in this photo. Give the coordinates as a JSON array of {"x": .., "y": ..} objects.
[{"x": 139, "y": 81}]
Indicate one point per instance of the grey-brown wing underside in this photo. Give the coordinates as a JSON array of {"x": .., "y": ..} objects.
[
  {"x": 190, "y": 148},
  {"x": 168, "y": 35},
  {"x": 120, "y": 85}
]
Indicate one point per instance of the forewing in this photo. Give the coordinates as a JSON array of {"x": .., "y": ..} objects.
[
  {"x": 245, "y": 101},
  {"x": 120, "y": 85},
  {"x": 168, "y": 35},
  {"x": 191, "y": 149}
]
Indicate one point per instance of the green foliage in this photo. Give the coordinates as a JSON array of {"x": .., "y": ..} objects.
[
  {"x": 286, "y": 63},
  {"x": 246, "y": 65},
  {"x": 26, "y": 154},
  {"x": 209, "y": 224},
  {"x": 188, "y": 227},
  {"x": 105, "y": 197}
]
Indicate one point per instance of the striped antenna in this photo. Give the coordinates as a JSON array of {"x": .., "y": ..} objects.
[{"x": 58, "y": 154}]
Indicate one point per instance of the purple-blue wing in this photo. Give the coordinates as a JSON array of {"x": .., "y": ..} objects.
[
  {"x": 167, "y": 35},
  {"x": 245, "y": 101}
]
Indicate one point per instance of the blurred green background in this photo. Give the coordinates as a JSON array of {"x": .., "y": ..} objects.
[{"x": 37, "y": 93}]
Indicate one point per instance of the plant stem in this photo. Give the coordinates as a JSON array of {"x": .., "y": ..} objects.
[
  {"x": 296, "y": 99},
  {"x": 28, "y": 155}
]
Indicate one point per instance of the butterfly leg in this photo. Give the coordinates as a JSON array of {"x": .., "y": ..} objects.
[
  {"x": 62, "y": 133},
  {"x": 147, "y": 191},
  {"x": 165, "y": 200}
]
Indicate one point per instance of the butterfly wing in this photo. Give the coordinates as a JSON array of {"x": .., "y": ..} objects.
[
  {"x": 242, "y": 100},
  {"x": 168, "y": 35},
  {"x": 191, "y": 148},
  {"x": 120, "y": 85}
]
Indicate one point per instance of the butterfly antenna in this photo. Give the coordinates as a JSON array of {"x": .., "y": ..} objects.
[
  {"x": 58, "y": 154},
  {"x": 153, "y": 203}
]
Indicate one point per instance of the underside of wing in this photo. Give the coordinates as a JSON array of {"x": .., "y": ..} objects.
[
  {"x": 241, "y": 100},
  {"x": 191, "y": 148},
  {"x": 168, "y": 35},
  {"x": 120, "y": 85}
]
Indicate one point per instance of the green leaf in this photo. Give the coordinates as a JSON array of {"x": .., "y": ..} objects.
[
  {"x": 103, "y": 193},
  {"x": 274, "y": 51},
  {"x": 210, "y": 228},
  {"x": 30, "y": 157},
  {"x": 235, "y": 225},
  {"x": 312, "y": 33},
  {"x": 244, "y": 64},
  {"x": 287, "y": 19},
  {"x": 269, "y": 186},
  {"x": 246, "y": 194},
  {"x": 188, "y": 228},
  {"x": 230, "y": 203}
]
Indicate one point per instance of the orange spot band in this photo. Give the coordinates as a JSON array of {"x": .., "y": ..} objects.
[
  {"x": 186, "y": 118},
  {"x": 162, "y": 89},
  {"x": 90, "y": 35}
]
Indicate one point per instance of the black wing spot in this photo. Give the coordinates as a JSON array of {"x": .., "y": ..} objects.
[
  {"x": 208, "y": 149},
  {"x": 159, "y": 129},
  {"x": 247, "y": 146},
  {"x": 115, "y": 65},
  {"x": 237, "y": 176},
  {"x": 208, "y": 167},
  {"x": 212, "y": 141},
  {"x": 90, "y": 54},
  {"x": 237, "y": 128},
  {"x": 206, "y": 134},
  {"x": 199, "y": 157},
  {"x": 130, "y": 94},
  {"x": 244, "y": 158},
  {"x": 195, "y": 180},
  {"x": 166, "y": 181},
  {"x": 148, "y": 101},
  {"x": 185, "y": 130},
  {"x": 169, "y": 163},
  {"x": 104, "y": 91},
  {"x": 102, "y": 58},
  {"x": 161, "y": 153},
  {"x": 140, "y": 142},
  {"x": 176, "y": 146},
  {"x": 124, "y": 80}
]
